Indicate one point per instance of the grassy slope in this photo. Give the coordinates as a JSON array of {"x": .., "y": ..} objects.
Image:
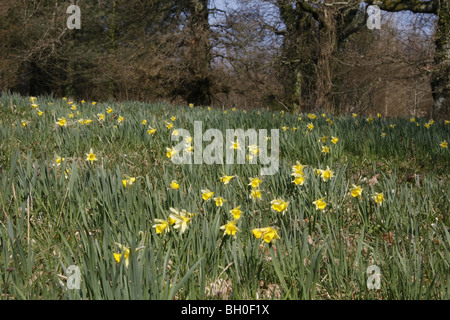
[{"x": 49, "y": 222}]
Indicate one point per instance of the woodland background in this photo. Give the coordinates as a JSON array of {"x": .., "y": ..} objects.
[{"x": 300, "y": 56}]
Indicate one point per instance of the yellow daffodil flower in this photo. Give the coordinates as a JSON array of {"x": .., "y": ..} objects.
[
  {"x": 230, "y": 228},
  {"x": 254, "y": 182},
  {"x": 356, "y": 191},
  {"x": 226, "y": 179},
  {"x": 162, "y": 225},
  {"x": 91, "y": 156},
  {"x": 174, "y": 185},
  {"x": 219, "y": 201},
  {"x": 320, "y": 204},
  {"x": 236, "y": 212},
  {"x": 279, "y": 205},
  {"x": 268, "y": 234},
  {"x": 378, "y": 197},
  {"x": 207, "y": 194}
]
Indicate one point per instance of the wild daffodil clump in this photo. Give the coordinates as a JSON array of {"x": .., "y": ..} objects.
[{"x": 95, "y": 185}]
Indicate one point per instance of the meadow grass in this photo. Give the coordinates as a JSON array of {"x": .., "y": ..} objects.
[{"x": 74, "y": 212}]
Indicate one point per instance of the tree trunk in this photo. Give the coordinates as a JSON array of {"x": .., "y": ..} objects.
[
  {"x": 328, "y": 43},
  {"x": 200, "y": 54},
  {"x": 440, "y": 78}
]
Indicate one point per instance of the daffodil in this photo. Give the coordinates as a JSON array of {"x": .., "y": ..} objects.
[
  {"x": 320, "y": 204},
  {"x": 174, "y": 185},
  {"x": 169, "y": 125},
  {"x": 120, "y": 119},
  {"x": 40, "y": 113},
  {"x": 207, "y": 194},
  {"x": 383, "y": 135},
  {"x": 91, "y": 156},
  {"x": 170, "y": 152},
  {"x": 67, "y": 173},
  {"x": 173, "y": 118},
  {"x": 226, "y": 179},
  {"x": 175, "y": 133},
  {"x": 87, "y": 121},
  {"x": 219, "y": 201},
  {"x": 144, "y": 122},
  {"x": 354, "y": 115},
  {"x": 189, "y": 149},
  {"x": 334, "y": 140},
  {"x": 62, "y": 122},
  {"x": 279, "y": 205},
  {"x": 162, "y": 225},
  {"x": 236, "y": 212},
  {"x": 378, "y": 197},
  {"x": 327, "y": 174},
  {"x": 34, "y": 106},
  {"x": 128, "y": 181},
  {"x": 255, "y": 194},
  {"x": 412, "y": 119},
  {"x": 125, "y": 254},
  {"x": 180, "y": 220},
  {"x": 444, "y": 144},
  {"x": 59, "y": 160},
  {"x": 230, "y": 228},
  {"x": 268, "y": 234},
  {"x": 254, "y": 150},
  {"x": 310, "y": 126},
  {"x": 109, "y": 110},
  {"x": 356, "y": 191},
  {"x": 325, "y": 149},
  {"x": 151, "y": 131},
  {"x": 298, "y": 169},
  {"x": 379, "y": 115},
  {"x": 254, "y": 182},
  {"x": 191, "y": 105},
  {"x": 299, "y": 179},
  {"x": 235, "y": 146},
  {"x": 101, "y": 116}
]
